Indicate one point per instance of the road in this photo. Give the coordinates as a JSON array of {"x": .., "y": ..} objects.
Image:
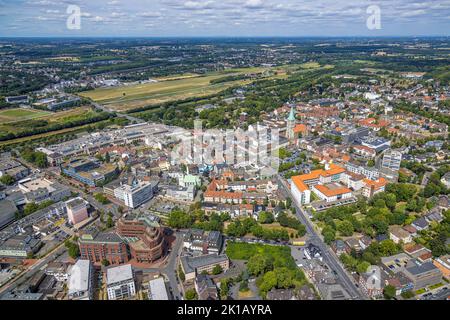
[
  {"x": 170, "y": 269},
  {"x": 121, "y": 115},
  {"x": 30, "y": 272},
  {"x": 328, "y": 256}
]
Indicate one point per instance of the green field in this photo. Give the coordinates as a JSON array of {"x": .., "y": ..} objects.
[
  {"x": 281, "y": 255},
  {"x": 13, "y": 115},
  {"x": 183, "y": 87}
]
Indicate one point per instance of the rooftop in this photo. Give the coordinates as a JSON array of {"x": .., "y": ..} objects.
[{"x": 118, "y": 274}]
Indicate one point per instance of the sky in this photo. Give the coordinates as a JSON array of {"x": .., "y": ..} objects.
[{"x": 228, "y": 18}]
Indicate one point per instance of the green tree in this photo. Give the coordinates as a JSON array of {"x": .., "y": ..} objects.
[
  {"x": 259, "y": 264},
  {"x": 345, "y": 228},
  {"x": 7, "y": 180},
  {"x": 217, "y": 269},
  {"x": 266, "y": 217},
  {"x": 191, "y": 294},
  {"x": 105, "y": 262},
  {"x": 110, "y": 222},
  {"x": 179, "y": 219},
  {"x": 72, "y": 249},
  {"x": 389, "y": 292},
  {"x": 224, "y": 288}
]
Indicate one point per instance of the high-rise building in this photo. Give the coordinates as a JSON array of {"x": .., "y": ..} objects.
[
  {"x": 77, "y": 210},
  {"x": 134, "y": 193}
]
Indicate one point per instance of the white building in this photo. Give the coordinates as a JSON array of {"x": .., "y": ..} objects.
[
  {"x": 81, "y": 277},
  {"x": 134, "y": 193},
  {"x": 120, "y": 282},
  {"x": 392, "y": 160},
  {"x": 157, "y": 290}
]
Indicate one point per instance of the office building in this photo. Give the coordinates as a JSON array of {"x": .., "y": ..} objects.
[
  {"x": 89, "y": 171},
  {"x": 38, "y": 190},
  {"x": 192, "y": 266},
  {"x": 120, "y": 282},
  {"x": 77, "y": 210},
  {"x": 134, "y": 193},
  {"x": 7, "y": 212},
  {"x": 145, "y": 238},
  {"x": 98, "y": 246},
  {"x": 81, "y": 281}
]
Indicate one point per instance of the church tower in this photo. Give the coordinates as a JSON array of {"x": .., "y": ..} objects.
[{"x": 291, "y": 125}]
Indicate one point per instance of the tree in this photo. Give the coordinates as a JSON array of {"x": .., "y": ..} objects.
[
  {"x": 362, "y": 267},
  {"x": 105, "y": 262},
  {"x": 179, "y": 219},
  {"x": 72, "y": 249},
  {"x": 181, "y": 274},
  {"x": 100, "y": 197},
  {"x": 224, "y": 288},
  {"x": 259, "y": 264},
  {"x": 107, "y": 157},
  {"x": 191, "y": 294},
  {"x": 7, "y": 180},
  {"x": 389, "y": 292},
  {"x": 217, "y": 269},
  {"x": 110, "y": 222},
  {"x": 266, "y": 217},
  {"x": 345, "y": 228}
]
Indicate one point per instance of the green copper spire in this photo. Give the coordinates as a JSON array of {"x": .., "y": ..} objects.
[{"x": 292, "y": 115}]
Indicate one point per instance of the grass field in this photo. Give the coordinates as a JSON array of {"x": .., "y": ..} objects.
[
  {"x": 281, "y": 255},
  {"x": 10, "y": 120},
  {"x": 19, "y": 114},
  {"x": 168, "y": 89}
]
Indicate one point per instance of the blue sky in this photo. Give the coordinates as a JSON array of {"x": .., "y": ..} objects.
[{"x": 224, "y": 17}]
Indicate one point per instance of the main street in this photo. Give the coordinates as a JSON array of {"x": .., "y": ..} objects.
[{"x": 328, "y": 256}]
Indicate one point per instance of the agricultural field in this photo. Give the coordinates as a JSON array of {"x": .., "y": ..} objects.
[
  {"x": 9, "y": 116},
  {"x": 169, "y": 89}
]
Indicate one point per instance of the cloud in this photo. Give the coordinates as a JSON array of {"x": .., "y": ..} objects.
[
  {"x": 236, "y": 17},
  {"x": 254, "y": 4}
]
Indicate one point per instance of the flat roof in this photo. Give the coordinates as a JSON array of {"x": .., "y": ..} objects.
[
  {"x": 119, "y": 274},
  {"x": 158, "y": 290},
  {"x": 79, "y": 276},
  {"x": 332, "y": 189}
]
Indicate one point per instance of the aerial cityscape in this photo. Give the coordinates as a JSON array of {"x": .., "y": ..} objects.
[{"x": 200, "y": 161}]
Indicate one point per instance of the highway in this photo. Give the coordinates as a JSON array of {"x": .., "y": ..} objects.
[{"x": 328, "y": 256}]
